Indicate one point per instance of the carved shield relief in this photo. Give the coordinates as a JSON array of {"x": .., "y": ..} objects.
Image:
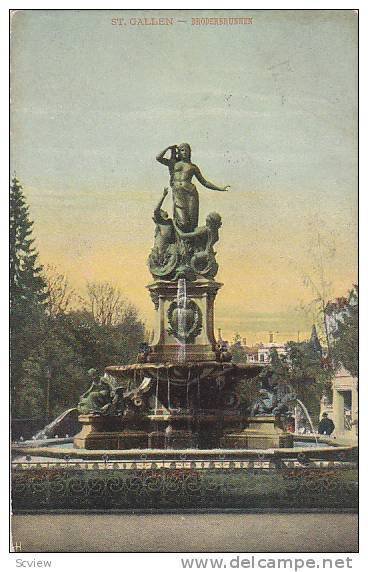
[{"x": 185, "y": 323}]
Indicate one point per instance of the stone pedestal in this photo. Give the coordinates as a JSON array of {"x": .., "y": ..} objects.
[
  {"x": 103, "y": 432},
  {"x": 261, "y": 432},
  {"x": 198, "y": 344}
]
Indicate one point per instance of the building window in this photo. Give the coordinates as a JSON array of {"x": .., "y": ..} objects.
[{"x": 347, "y": 409}]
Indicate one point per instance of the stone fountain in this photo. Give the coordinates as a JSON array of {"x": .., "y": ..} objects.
[{"x": 184, "y": 392}]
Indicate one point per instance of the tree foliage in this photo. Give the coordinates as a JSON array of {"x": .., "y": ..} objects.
[
  {"x": 303, "y": 369},
  {"x": 321, "y": 252},
  {"x": 60, "y": 295},
  {"x": 105, "y": 302},
  {"x": 53, "y": 344},
  {"x": 308, "y": 374},
  {"x": 27, "y": 289},
  {"x": 346, "y": 335}
]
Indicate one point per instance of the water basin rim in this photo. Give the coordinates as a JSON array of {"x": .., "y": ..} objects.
[
  {"x": 162, "y": 454},
  {"x": 193, "y": 365}
]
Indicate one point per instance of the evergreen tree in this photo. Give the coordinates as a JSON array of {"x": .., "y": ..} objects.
[
  {"x": 27, "y": 289},
  {"x": 26, "y": 283}
]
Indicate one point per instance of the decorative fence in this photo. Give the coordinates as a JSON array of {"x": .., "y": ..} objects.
[{"x": 185, "y": 484}]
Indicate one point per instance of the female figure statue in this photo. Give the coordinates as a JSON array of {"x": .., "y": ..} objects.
[{"x": 185, "y": 194}]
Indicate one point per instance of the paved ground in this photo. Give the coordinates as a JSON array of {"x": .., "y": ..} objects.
[{"x": 186, "y": 533}]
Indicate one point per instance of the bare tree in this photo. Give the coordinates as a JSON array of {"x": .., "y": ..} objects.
[
  {"x": 60, "y": 294},
  {"x": 106, "y": 303},
  {"x": 322, "y": 250}
]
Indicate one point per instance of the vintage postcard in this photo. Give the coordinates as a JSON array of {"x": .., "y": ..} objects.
[{"x": 184, "y": 283}]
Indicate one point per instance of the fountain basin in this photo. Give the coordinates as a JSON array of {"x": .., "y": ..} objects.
[
  {"x": 168, "y": 405},
  {"x": 326, "y": 450},
  {"x": 178, "y": 373}
]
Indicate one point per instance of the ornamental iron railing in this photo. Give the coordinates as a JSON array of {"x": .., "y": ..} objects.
[{"x": 184, "y": 484}]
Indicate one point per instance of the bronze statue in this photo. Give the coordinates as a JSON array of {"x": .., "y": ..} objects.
[
  {"x": 185, "y": 194},
  {"x": 164, "y": 233},
  {"x": 97, "y": 399},
  {"x": 163, "y": 258},
  {"x": 182, "y": 249},
  {"x": 265, "y": 403},
  {"x": 105, "y": 397},
  {"x": 199, "y": 245},
  {"x": 135, "y": 397},
  {"x": 273, "y": 401}
]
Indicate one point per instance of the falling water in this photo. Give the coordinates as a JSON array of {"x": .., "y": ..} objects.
[
  {"x": 156, "y": 401},
  {"x": 188, "y": 380},
  {"x": 309, "y": 418},
  {"x": 187, "y": 404},
  {"x": 182, "y": 305},
  {"x": 168, "y": 389},
  {"x": 168, "y": 432},
  {"x": 49, "y": 431}
]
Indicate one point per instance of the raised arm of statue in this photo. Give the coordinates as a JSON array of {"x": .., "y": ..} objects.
[
  {"x": 157, "y": 212},
  {"x": 162, "y": 159},
  {"x": 206, "y": 183}
]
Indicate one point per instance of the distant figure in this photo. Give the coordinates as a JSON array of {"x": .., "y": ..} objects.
[{"x": 326, "y": 426}]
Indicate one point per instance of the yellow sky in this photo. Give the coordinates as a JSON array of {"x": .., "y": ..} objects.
[{"x": 262, "y": 275}]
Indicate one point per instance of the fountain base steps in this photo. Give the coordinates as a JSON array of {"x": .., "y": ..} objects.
[
  {"x": 180, "y": 432},
  {"x": 130, "y": 432}
]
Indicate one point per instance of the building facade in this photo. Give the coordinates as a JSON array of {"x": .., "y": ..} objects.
[{"x": 344, "y": 407}]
